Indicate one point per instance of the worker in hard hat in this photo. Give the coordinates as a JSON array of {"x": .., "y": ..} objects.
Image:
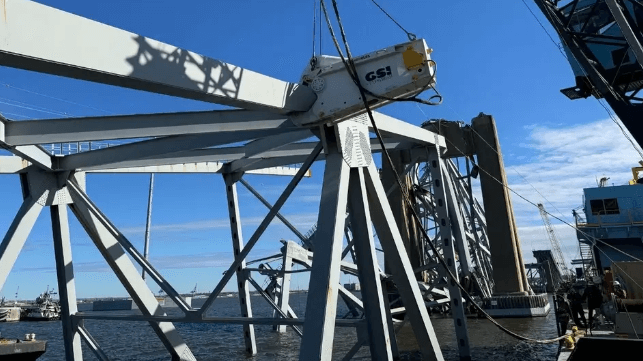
[{"x": 619, "y": 291}]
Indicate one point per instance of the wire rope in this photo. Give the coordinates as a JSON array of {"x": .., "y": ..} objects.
[{"x": 350, "y": 67}]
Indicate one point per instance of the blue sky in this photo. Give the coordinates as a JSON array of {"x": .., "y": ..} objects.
[{"x": 491, "y": 56}]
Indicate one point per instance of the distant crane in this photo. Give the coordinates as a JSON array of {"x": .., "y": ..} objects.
[{"x": 559, "y": 258}]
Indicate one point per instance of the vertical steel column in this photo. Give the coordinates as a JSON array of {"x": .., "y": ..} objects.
[
  {"x": 237, "y": 246},
  {"x": 66, "y": 283},
  {"x": 445, "y": 222},
  {"x": 457, "y": 222},
  {"x": 395, "y": 253},
  {"x": 284, "y": 293},
  {"x": 369, "y": 275},
  {"x": 148, "y": 223},
  {"x": 129, "y": 277},
  {"x": 17, "y": 234},
  {"x": 321, "y": 304}
]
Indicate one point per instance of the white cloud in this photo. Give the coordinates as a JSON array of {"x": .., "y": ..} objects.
[{"x": 566, "y": 160}]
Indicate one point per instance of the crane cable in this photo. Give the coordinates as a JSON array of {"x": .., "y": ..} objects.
[
  {"x": 350, "y": 68},
  {"x": 410, "y": 35}
]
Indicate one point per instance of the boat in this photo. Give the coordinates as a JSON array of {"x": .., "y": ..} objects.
[
  {"x": 44, "y": 309},
  {"x": 609, "y": 232},
  {"x": 27, "y": 349}
]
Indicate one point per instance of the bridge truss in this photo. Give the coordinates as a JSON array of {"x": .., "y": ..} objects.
[{"x": 276, "y": 124}]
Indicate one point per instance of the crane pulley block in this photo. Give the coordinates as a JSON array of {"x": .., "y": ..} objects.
[{"x": 397, "y": 71}]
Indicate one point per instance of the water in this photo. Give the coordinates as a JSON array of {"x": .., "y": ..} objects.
[{"x": 122, "y": 340}]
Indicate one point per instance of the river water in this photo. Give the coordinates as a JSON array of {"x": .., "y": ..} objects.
[{"x": 123, "y": 340}]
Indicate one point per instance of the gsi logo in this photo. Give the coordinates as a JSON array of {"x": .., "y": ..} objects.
[{"x": 379, "y": 74}]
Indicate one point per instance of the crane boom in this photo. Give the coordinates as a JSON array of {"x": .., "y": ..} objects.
[{"x": 559, "y": 258}]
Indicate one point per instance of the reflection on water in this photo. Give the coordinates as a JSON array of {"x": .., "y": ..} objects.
[{"x": 136, "y": 341}]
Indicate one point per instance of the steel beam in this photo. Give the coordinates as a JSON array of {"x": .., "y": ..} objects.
[
  {"x": 129, "y": 278},
  {"x": 284, "y": 289},
  {"x": 203, "y": 167},
  {"x": 39, "y": 38},
  {"x": 66, "y": 283},
  {"x": 10, "y": 164},
  {"x": 34, "y": 154},
  {"x": 17, "y": 234},
  {"x": 228, "y": 320},
  {"x": 262, "y": 227},
  {"x": 81, "y": 198},
  {"x": 237, "y": 245},
  {"x": 283, "y": 219},
  {"x": 213, "y": 155},
  {"x": 369, "y": 273},
  {"x": 317, "y": 342},
  {"x": 391, "y": 127},
  {"x": 91, "y": 342},
  {"x": 154, "y": 147},
  {"x": 447, "y": 219},
  {"x": 457, "y": 221},
  {"x": 138, "y": 126},
  {"x": 628, "y": 33},
  {"x": 275, "y": 307},
  {"x": 395, "y": 254}
]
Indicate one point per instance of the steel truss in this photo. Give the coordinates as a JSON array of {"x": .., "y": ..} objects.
[
  {"x": 602, "y": 39},
  {"x": 276, "y": 128}
]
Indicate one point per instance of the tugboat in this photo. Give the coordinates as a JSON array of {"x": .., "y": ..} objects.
[{"x": 45, "y": 308}]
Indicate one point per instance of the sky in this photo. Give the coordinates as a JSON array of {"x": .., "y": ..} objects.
[{"x": 492, "y": 57}]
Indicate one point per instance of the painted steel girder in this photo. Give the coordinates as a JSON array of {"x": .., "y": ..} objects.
[
  {"x": 63, "y": 130},
  {"x": 47, "y": 40}
]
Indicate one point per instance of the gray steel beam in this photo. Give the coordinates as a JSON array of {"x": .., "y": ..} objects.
[
  {"x": 10, "y": 164},
  {"x": 317, "y": 342},
  {"x": 129, "y": 277},
  {"x": 66, "y": 283},
  {"x": 17, "y": 234},
  {"x": 391, "y": 127},
  {"x": 150, "y": 148},
  {"x": 237, "y": 246},
  {"x": 283, "y": 219},
  {"x": 395, "y": 254},
  {"x": 274, "y": 306},
  {"x": 447, "y": 220},
  {"x": 284, "y": 289},
  {"x": 32, "y": 153},
  {"x": 90, "y": 341},
  {"x": 81, "y": 198},
  {"x": 148, "y": 222},
  {"x": 37, "y": 38},
  {"x": 457, "y": 222},
  {"x": 138, "y": 126},
  {"x": 225, "y": 154},
  {"x": 277, "y": 141},
  {"x": 217, "y": 154},
  {"x": 228, "y": 320},
  {"x": 262, "y": 227},
  {"x": 369, "y": 274},
  {"x": 203, "y": 167},
  {"x": 247, "y": 165}
]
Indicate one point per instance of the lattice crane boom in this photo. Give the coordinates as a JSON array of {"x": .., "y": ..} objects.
[{"x": 559, "y": 258}]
